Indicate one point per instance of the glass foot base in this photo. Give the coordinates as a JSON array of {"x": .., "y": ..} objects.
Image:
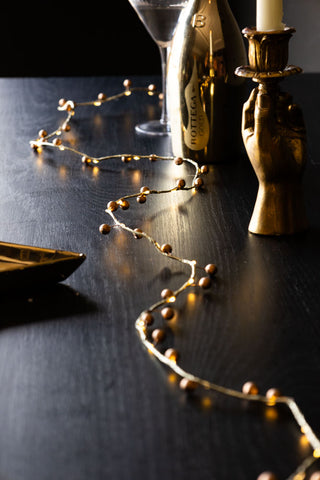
[{"x": 154, "y": 127}]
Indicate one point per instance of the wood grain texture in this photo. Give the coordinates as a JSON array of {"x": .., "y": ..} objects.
[{"x": 79, "y": 396}]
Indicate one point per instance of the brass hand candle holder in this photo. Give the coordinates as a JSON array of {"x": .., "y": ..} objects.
[{"x": 274, "y": 135}]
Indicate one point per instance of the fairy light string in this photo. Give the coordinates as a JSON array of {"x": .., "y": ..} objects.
[{"x": 150, "y": 337}]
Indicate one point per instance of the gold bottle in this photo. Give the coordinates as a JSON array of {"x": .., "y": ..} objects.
[{"x": 205, "y": 97}]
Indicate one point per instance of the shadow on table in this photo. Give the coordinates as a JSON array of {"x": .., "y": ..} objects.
[{"x": 41, "y": 304}]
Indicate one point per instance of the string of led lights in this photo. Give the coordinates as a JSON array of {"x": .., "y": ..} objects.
[{"x": 151, "y": 337}]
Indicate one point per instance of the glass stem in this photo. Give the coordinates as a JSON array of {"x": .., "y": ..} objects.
[{"x": 164, "y": 53}]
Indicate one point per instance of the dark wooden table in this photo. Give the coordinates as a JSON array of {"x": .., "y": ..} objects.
[{"x": 80, "y": 397}]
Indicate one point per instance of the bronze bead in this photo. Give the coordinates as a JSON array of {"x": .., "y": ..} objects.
[
  {"x": 85, "y": 160},
  {"x": 126, "y": 158},
  {"x": 127, "y": 83},
  {"x": 102, "y": 96},
  {"x": 153, "y": 157},
  {"x": 204, "y": 282},
  {"x": 137, "y": 233},
  {"x": 152, "y": 88},
  {"x": 158, "y": 335},
  {"x": 250, "y": 388},
  {"x": 272, "y": 394},
  {"x": 124, "y": 204},
  {"x": 141, "y": 199},
  {"x": 198, "y": 182},
  {"x": 187, "y": 385},
  {"x": 178, "y": 161},
  {"x": 171, "y": 354},
  {"x": 181, "y": 183},
  {"x": 147, "y": 317},
  {"x": 144, "y": 190},
  {"x": 204, "y": 169},
  {"x": 57, "y": 141},
  {"x": 166, "y": 248},
  {"x": 70, "y": 106},
  {"x": 315, "y": 476},
  {"x": 210, "y": 268},
  {"x": 62, "y": 102},
  {"x": 167, "y": 293},
  {"x": 167, "y": 313},
  {"x": 66, "y": 127},
  {"x": 42, "y": 133},
  {"x": 267, "y": 476},
  {"x": 112, "y": 206},
  {"x": 104, "y": 228}
]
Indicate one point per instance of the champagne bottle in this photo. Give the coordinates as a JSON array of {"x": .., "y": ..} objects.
[{"x": 205, "y": 97}]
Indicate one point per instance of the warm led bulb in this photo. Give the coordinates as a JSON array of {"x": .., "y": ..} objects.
[
  {"x": 206, "y": 402},
  {"x": 304, "y": 442},
  {"x": 316, "y": 453},
  {"x": 172, "y": 378},
  {"x": 299, "y": 476}
]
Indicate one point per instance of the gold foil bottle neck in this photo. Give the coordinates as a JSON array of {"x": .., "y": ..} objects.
[{"x": 205, "y": 97}]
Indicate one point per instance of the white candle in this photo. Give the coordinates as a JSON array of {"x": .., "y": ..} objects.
[{"x": 269, "y": 15}]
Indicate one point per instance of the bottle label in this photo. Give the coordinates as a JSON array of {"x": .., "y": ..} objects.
[{"x": 197, "y": 133}]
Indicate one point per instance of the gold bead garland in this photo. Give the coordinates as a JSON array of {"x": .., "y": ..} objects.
[{"x": 151, "y": 339}]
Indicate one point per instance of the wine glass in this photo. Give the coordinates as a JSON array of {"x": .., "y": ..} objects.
[{"x": 160, "y": 18}]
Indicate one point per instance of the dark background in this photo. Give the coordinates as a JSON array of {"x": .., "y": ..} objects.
[{"x": 95, "y": 38}]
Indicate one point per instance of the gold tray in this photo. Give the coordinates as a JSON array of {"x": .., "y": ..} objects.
[{"x": 24, "y": 266}]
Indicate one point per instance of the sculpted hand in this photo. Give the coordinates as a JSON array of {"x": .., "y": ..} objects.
[{"x": 275, "y": 139}]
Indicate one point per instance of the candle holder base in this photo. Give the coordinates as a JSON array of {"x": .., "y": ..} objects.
[
  {"x": 274, "y": 135},
  {"x": 247, "y": 72}
]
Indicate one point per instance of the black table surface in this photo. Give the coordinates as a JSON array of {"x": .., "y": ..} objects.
[{"x": 80, "y": 397}]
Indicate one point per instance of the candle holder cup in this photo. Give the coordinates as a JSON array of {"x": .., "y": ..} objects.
[{"x": 274, "y": 135}]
